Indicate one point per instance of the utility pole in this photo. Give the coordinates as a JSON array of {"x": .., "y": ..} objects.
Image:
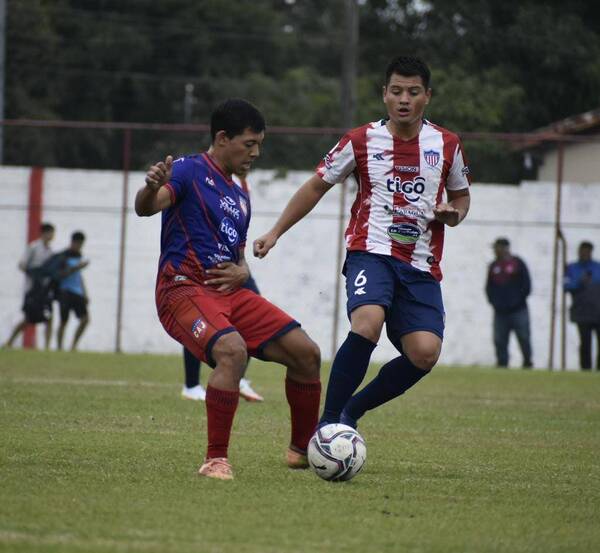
[
  {"x": 349, "y": 62},
  {"x": 349, "y": 47},
  {"x": 2, "y": 72},
  {"x": 188, "y": 103}
]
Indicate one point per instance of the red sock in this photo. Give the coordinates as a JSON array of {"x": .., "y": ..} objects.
[
  {"x": 220, "y": 410},
  {"x": 303, "y": 398}
]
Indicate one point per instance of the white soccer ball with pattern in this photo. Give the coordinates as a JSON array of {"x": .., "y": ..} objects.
[{"x": 337, "y": 452}]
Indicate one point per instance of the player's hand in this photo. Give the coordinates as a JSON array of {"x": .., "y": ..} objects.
[
  {"x": 445, "y": 213},
  {"x": 159, "y": 174},
  {"x": 263, "y": 244},
  {"x": 227, "y": 277}
]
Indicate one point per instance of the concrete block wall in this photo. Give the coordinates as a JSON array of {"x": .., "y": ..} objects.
[{"x": 299, "y": 274}]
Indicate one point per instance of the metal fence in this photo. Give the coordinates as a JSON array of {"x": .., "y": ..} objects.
[{"x": 140, "y": 144}]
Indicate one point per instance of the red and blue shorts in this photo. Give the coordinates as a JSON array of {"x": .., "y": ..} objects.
[{"x": 196, "y": 316}]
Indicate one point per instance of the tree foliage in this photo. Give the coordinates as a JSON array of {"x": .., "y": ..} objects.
[{"x": 497, "y": 66}]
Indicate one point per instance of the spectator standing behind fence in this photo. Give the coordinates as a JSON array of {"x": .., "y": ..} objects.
[
  {"x": 582, "y": 279},
  {"x": 508, "y": 285},
  {"x": 37, "y": 304},
  {"x": 72, "y": 295}
]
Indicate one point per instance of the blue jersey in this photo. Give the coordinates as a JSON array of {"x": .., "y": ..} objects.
[
  {"x": 73, "y": 282},
  {"x": 208, "y": 220},
  {"x": 579, "y": 271}
]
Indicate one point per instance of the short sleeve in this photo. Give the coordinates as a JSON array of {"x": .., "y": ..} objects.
[
  {"x": 338, "y": 163},
  {"x": 458, "y": 176},
  {"x": 181, "y": 179},
  {"x": 26, "y": 257}
]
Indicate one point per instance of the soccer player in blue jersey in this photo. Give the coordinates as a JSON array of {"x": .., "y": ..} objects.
[
  {"x": 192, "y": 388},
  {"x": 199, "y": 294}
]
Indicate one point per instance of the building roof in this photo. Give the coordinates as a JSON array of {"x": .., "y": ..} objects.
[{"x": 582, "y": 123}]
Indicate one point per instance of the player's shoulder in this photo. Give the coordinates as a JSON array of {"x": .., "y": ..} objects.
[
  {"x": 189, "y": 166},
  {"x": 360, "y": 132},
  {"x": 189, "y": 160},
  {"x": 449, "y": 136}
]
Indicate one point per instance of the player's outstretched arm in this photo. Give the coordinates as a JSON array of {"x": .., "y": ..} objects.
[
  {"x": 455, "y": 210},
  {"x": 302, "y": 203},
  {"x": 153, "y": 198}
]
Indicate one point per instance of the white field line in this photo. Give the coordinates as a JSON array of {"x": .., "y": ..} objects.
[
  {"x": 7, "y": 536},
  {"x": 87, "y": 382},
  {"x": 145, "y": 541}
]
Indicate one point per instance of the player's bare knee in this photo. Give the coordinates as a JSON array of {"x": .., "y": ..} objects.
[
  {"x": 367, "y": 321},
  {"x": 305, "y": 361},
  {"x": 424, "y": 359},
  {"x": 229, "y": 352},
  {"x": 367, "y": 329},
  {"x": 312, "y": 359}
]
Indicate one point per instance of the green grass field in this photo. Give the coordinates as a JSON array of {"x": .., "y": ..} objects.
[{"x": 99, "y": 453}]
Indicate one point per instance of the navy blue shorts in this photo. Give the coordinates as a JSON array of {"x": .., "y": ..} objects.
[{"x": 412, "y": 298}]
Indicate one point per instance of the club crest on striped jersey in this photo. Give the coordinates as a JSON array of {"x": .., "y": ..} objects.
[{"x": 432, "y": 157}]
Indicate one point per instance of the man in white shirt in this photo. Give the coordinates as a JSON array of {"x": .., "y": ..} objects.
[{"x": 36, "y": 307}]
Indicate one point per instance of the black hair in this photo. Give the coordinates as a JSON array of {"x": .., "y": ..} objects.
[
  {"x": 77, "y": 236},
  {"x": 46, "y": 227},
  {"x": 586, "y": 244},
  {"x": 234, "y": 116},
  {"x": 502, "y": 242},
  {"x": 408, "y": 66}
]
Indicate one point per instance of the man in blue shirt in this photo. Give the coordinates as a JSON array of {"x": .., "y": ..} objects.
[
  {"x": 582, "y": 279},
  {"x": 72, "y": 295}
]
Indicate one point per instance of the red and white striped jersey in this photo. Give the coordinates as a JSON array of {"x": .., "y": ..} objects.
[{"x": 399, "y": 184}]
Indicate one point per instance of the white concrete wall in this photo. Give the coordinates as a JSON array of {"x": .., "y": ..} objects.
[{"x": 299, "y": 274}]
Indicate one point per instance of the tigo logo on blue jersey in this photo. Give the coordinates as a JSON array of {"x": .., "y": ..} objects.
[{"x": 228, "y": 229}]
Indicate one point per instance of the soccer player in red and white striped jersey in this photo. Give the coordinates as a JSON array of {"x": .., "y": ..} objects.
[{"x": 412, "y": 181}]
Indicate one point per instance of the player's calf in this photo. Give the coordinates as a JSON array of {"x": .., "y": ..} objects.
[
  {"x": 302, "y": 358},
  {"x": 222, "y": 397}
]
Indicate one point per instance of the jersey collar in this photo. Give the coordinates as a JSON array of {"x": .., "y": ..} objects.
[{"x": 211, "y": 162}]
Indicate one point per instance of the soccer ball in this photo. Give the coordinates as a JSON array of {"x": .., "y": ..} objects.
[{"x": 337, "y": 452}]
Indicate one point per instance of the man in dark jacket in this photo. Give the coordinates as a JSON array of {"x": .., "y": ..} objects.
[
  {"x": 508, "y": 285},
  {"x": 582, "y": 279}
]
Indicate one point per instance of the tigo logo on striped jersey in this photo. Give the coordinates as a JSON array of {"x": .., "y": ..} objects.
[{"x": 410, "y": 189}]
